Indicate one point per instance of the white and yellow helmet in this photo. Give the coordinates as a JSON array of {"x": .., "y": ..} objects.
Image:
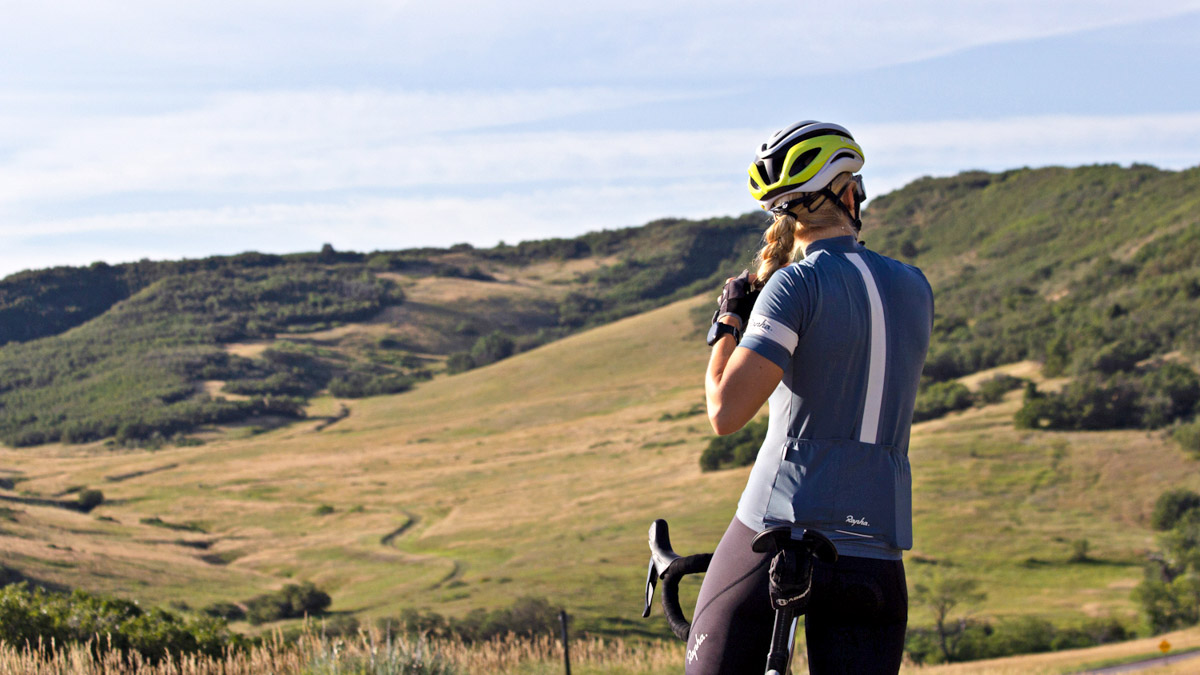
[{"x": 804, "y": 157}]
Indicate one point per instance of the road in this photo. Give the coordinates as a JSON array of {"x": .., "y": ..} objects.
[{"x": 1142, "y": 665}]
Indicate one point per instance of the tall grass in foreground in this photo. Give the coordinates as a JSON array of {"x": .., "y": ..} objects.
[{"x": 364, "y": 654}]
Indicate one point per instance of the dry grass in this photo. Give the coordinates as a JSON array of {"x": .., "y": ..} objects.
[
  {"x": 365, "y": 653},
  {"x": 538, "y": 475},
  {"x": 370, "y": 652}
]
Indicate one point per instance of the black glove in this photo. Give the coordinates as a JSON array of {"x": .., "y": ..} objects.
[
  {"x": 791, "y": 580},
  {"x": 737, "y": 298}
]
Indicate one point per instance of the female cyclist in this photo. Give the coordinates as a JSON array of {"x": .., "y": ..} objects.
[{"x": 836, "y": 343}]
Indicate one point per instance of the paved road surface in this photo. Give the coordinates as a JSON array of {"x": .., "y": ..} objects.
[{"x": 1142, "y": 665}]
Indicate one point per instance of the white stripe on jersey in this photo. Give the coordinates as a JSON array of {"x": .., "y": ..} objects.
[
  {"x": 873, "y": 402},
  {"x": 772, "y": 330}
]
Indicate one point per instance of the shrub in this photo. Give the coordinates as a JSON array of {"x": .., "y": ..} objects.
[
  {"x": 1171, "y": 506},
  {"x": 969, "y": 639},
  {"x": 225, "y": 610},
  {"x": 1079, "y": 551},
  {"x": 290, "y": 602},
  {"x": 737, "y": 449},
  {"x": 1148, "y": 398},
  {"x": 38, "y": 615},
  {"x": 89, "y": 499},
  {"x": 360, "y": 385},
  {"x": 323, "y": 510},
  {"x": 939, "y": 398},
  {"x": 491, "y": 348},
  {"x": 527, "y": 616},
  {"x": 1112, "y": 358},
  {"x": 576, "y": 309},
  {"x": 340, "y": 625},
  {"x": 459, "y": 362},
  {"x": 992, "y": 390},
  {"x": 1188, "y": 437}
]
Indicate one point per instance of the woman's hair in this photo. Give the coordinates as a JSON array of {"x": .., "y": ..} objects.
[{"x": 779, "y": 241}]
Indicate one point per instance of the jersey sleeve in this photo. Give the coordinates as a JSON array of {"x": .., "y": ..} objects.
[{"x": 780, "y": 314}]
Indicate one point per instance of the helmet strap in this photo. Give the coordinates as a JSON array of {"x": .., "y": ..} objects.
[
  {"x": 813, "y": 201},
  {"x": 859, "y": 195}
]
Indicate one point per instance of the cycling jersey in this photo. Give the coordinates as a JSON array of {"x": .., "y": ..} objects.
[{"x": 850, "y": 329}]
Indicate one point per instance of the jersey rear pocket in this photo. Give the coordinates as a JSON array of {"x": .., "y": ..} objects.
[{"x": 846, "y": 486}]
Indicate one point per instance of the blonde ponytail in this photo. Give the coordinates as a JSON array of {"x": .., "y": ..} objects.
[{"x": 779, "y": 247}]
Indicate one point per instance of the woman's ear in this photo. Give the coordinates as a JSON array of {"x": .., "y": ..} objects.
[{"x": 848, "y": 198}]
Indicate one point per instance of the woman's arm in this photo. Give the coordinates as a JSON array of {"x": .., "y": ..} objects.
[{"x": 737, "y": 384}]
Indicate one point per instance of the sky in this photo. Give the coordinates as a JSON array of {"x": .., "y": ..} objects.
[{"x": 143, "y": 129}]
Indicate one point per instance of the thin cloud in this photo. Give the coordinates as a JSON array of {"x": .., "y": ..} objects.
[{"x": 602, "y": 195}]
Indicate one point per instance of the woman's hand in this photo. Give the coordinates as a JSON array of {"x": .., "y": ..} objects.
[{"x": 737, "y": 299}]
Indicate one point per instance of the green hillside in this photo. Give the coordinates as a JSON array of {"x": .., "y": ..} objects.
[
  {"x": 537, "y": 475},
  {"x": 1052, "y": 263},
  {"x": 151, "y": 352}
]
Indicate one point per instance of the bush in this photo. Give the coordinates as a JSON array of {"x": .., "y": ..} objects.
[
  {"x": 940, "y": 398},
  {"x": 491, "y": 348},
  {"x": 89, "y": 499},
  {"x": 1168, "y": 605},
  {"x": 323, "y": 510},
  {"x": 1079, "y": 551},
  {"x": 459, "y": 362},
  {"x": 225, "y": 610},
  {"x": 527, "y": 616},
  {"x": 1112, "y": 358},
  {"x": 360, "y": 385},
  {"x": 1149, "y": 398},
  {"x": 290, "y": 602},
  {"x": 737, "y": 449},
  {"x": 576, "y": 309},
  {"x": 1171, "y": 507},
  {"x": 38, "y": 615},
  {"x": 992, "y": 390},
  {"x": 970, "y": 639},
  {"x": 1188, "y": 437}
]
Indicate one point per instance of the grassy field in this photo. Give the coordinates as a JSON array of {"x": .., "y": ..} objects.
[
  {"x": 539, "y": 475},
  {"x": 372, "y": 653}
]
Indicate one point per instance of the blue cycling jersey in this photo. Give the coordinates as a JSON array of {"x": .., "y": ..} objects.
[{"x": 850, "y": 329}]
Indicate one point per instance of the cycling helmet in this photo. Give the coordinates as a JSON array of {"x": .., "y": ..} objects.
[{"x": 804, "y": 157}]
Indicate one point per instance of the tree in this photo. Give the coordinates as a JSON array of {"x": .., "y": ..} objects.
[
  {"x": 1170, "y": 593},
  {"x": 491, "y": 348},
  {"x": 1171, "y": 506},
  {"x": 942, "y": 593}
]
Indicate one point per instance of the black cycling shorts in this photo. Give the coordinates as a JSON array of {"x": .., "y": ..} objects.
[{"x": 855, "y": 621}]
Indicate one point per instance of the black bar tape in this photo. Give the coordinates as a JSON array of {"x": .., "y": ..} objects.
[{"x": 692, "y": 564}]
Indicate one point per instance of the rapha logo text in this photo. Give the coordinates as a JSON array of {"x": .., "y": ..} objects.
[
  {"x": 857, "y": 521},
  {"x": 692, "y": 652}
]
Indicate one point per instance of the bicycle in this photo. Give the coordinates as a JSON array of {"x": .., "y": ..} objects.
[{"x": 790, "y": 580}]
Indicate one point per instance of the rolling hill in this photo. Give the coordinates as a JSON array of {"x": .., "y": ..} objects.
[{"x": 539, "y": 473}]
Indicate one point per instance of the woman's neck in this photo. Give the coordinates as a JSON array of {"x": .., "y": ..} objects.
[{"x": 807, "y": 237}]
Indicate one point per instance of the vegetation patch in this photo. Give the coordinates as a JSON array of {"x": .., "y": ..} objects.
[
  {"x": 527, "y": 616},
  {"x": 1169, "y": 595},
  {"x": 36, "y": 615},
  {"x": 1146, "y": 398},
  {"x": 737, "y": 449},
  {"x": 291, "y": 602},
  {"x": 159, "y": 522}
]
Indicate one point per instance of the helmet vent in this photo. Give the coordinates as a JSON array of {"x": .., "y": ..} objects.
[
  {"x": 803, "y": 161},
  {"x": 764, "y": 171}
]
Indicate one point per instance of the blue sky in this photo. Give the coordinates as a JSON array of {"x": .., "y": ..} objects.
[{"x": 166, "y": 130}]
